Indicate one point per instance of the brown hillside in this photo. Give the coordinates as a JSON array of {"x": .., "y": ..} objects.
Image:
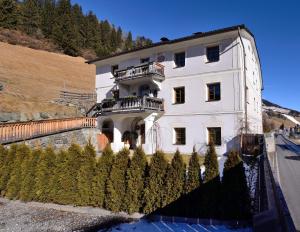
[{"x": 32, "y": 79}]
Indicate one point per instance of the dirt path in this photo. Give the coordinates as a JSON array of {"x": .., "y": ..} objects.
[{"x": 32, "y": 216}]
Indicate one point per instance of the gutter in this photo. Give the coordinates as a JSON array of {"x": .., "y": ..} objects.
[{"x": 245, "y": 84}]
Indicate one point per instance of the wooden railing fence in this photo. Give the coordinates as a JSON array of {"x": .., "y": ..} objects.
[{"x": 13, "y": 132}]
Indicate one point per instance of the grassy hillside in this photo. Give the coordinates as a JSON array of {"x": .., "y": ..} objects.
[{"x": 32, "y": 80}]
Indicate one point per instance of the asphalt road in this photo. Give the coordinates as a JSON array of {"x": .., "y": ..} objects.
[{"x": 287, "y": 163}]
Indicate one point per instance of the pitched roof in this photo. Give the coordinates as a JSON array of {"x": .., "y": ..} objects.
[{"x": 194, "y": 36}]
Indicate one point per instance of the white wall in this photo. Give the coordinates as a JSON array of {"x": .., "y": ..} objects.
[{"x": 196, "y": 114}]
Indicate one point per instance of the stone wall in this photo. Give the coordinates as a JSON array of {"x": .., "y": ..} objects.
[{"x": 65, "y": 139}]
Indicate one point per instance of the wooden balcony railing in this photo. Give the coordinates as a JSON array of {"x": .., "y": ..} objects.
[
  {"x": 131, "y": 105},
  {"x": 13, "y": 132},
  {"x": 151, "y": 68}
]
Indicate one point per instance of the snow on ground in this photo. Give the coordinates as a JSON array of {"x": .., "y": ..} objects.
[
  {"x": 291, "y": 118},
  {"x": 160, "y": 226}
]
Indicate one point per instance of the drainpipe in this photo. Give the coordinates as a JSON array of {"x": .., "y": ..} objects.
[{"x": 245, "y": 79}]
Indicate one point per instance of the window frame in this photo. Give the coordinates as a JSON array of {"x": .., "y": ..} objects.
[
  {"x": 113, "y": 69},
  {"x": 208, "y": 99},
  {"x": 181, "y": 137},
  {"x": 174, "y": 58},
  {"x": 175, "y": 97},
  {"x": 143, "y": 59},
  {"x": 207, "y": 50},
  {"x": 218, "y": 141}
]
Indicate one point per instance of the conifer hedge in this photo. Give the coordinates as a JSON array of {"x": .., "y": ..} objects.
[{"x": 77, "y": 176}]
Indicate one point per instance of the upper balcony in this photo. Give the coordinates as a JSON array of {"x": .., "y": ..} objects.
[{"x": 135, "y": 74}]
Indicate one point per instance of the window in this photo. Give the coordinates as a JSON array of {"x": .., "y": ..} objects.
[
  {"x": 145, "y": 60},
  {"x": 114, "y": 68},
  {"x": 179, "y": 95},
  {"x": 179, "y": 136},
  {"x": 213, "y": 54},
  {"x": 179, "y": 59},
  {"x": 214, "y": 135},
  {"x": 213, "y": 92},
  {"x": 142, "y": 133}
]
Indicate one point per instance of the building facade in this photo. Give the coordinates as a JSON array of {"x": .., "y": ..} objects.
[{"x": 182, "y": 93}]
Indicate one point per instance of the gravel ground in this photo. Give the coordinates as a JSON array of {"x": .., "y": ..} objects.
[{"x": 33, "y": 216}]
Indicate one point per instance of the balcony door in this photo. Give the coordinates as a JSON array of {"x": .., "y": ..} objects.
[{"x": 144, "y": 90}]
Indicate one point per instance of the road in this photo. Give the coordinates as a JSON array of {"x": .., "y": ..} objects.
[{"x": 287, "y": 164}]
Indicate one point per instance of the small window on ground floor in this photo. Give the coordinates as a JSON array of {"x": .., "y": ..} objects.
[
  {"x": 214, "y": 135},
  {"x": 179, "y": 136}
]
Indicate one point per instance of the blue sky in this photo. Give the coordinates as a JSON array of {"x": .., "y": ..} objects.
[{"x": 275, "y": 24}]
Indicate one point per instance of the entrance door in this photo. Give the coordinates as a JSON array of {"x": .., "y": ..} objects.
[{"x": 142, "y": 133}]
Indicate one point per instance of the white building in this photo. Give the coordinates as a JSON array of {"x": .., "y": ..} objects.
[{"x": 182, "y": 93}]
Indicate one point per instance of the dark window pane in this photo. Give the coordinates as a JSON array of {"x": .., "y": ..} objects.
[
  {"x": 179, "y": 95},
  {"x": 214, "y": 135},
  {"x": 214, "y": 92},
  {"x": 145, "y": 60},
  {"x": 213, "y": 54},
  {"x": 180, "y": 136},
  {"x": 179, "y": 59},
  {"x": 114, "y": 68}
]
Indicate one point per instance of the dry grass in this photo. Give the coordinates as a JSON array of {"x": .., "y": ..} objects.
[
  {"x": 32, "y": 79},
  {"x": 185, "y": 157}
]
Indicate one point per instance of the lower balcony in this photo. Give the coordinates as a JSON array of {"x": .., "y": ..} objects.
[{"x": 129, "y": 105}]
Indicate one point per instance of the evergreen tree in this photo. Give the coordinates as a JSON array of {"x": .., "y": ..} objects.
[
  {"x": 74, "y": 159},
  {"x": 28, "y": 170},
  {"x": 236, "y": 198},
  {"x": 16, "y": 176},
  {"x": 141, "y": 41},
  {"x": 175, "y": 178},
  {"x": 211, "y": 191},
  {"x": 56, "y": 182},
  {"x": 44, "y": 172},
  {"x": 193, "y": 187},
  {"x": 116, "y": 185},
  {"x": 135, "y": 181},
  {"x": 113, "y": 39},
  {"x": 3, "y": 155},
  {"x": 64, "y": 32},
  {"x": 30, "y": 12},
  {"x": 7, "y": 168},
  {"x": 47, "y": 17},
  {"x": 128, "y": 42},
  {"x": 86, "y": 174},
  {"x": 194, "y": 173},
  {"x": 119, "y": 37},
  {"x": 154, "y": 189},
  {"x": 9, "y": 17},
  {"x": 102, "y": 172}
]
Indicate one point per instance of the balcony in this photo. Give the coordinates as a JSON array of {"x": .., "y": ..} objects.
[
  {"x": 148, "y": 71},
  {"x": 129, "y": 105}
]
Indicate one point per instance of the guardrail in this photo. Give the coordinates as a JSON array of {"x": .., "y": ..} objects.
[
  {"x": 150, "y": 68},
  {"x": 19, "y": 131}
]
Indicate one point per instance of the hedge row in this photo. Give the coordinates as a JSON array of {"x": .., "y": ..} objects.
[{"x": 120, "y": 183}]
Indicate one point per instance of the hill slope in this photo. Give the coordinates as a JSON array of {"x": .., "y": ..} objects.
[
  {"x": 32, "y": 80},
  {"x": 280, "y": 115}
]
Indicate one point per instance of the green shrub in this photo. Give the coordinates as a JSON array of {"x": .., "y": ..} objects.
[
  {"x": 102, "y": 172},
  {"x": 154, "y": 189},
  {"x": 29, "y": 166},
  {"x": 210, "y": 200},
  {"x": 175, "y": 178},
  {"x": 116, "y": 185},
  {"x": 44, "y": 173},
  {"x": 193, "y": 179},
  {"x": 17, "y": 173},
  {"x": 135, "y": 181},
  {"x": 8, "y": 164},
  {"x": 85, "y": 175},
  {"x": 236, "y": 198}
]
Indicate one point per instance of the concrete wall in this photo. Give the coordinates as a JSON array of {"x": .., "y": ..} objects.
[{"x": 65, "y": 139}]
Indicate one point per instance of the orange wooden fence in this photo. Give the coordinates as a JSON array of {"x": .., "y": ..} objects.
[{"x": 12, "y": 132}]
